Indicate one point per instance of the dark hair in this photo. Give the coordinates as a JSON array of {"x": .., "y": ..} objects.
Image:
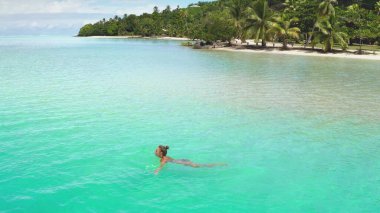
[{"x": 164, "y": 149}]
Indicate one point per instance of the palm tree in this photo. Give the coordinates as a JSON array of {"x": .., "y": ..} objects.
[
  {"x": 289, "y": 4},
  {"x": 260, "y": 21},
  {"x": 293, "y": 5},
  {"x": 282, "y": 28},
  {"x": 238, "y": 11},
  {"x": 184, "y": 17},
  {"x": 328, "y": 36},
  {"x": 326, "y": 8},
  {"x": 377, "y": 7}
]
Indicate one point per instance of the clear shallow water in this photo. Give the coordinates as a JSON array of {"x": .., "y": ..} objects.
[{"x": 80, "y": 119}]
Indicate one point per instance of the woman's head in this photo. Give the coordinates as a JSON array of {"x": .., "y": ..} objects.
[{"x": 161, "y": 151}]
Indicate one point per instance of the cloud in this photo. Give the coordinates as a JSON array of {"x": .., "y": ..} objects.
[
  {"x": 83, "y": 6},
  {"x": 67, "y": 16},
  {"x": 44, "y": 6},
  {"x": 65, "y": 23}
]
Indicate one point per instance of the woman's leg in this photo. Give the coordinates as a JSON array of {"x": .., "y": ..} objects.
[
  {"x": 196, "y": 165},
  {"x": 207, "y": 165}
]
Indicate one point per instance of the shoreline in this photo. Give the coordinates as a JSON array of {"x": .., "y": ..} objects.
[
  {"x": 127, "y": 37},
  {"x": 273, "y": 51},
  {"x": 300, "y": 53}
]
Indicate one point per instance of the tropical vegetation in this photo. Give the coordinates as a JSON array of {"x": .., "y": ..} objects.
[
  {"x": 327, "y": 23},
  {"x": 282, "y": 29}
]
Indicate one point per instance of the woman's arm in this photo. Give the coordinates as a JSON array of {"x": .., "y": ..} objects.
[{"x": 160, "y": 167}]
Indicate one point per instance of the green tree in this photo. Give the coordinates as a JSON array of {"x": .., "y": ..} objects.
[
  {"x": 218, "y": 26},
  {"x": 111, "y": 27},
  {"x": 326, "y": 8},
  {"x": 194, "y": 24},
  {"x": 260, "y": 21},
  {"x": 377, "y": 7},
  {"x": 328, "y": 36},
  {"x": 238, "y": 11},
  {"x": 86, "y": 30},
  {"x": 157, "y": 19},
  {"x": 283, "y": 28},
  {"x": 184, "y": 20},
  {"x": 360, "y": 24},
  {"x": 145, "y": 26},
  {"x": 326, "y": 11},
  {"x": 305, "y": 9}
]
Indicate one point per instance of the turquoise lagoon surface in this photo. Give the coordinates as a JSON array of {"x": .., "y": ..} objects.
[{"x": 80, "y": 119}]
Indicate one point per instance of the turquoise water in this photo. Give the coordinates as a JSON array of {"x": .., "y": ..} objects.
[{"x": 80, "y": 119}]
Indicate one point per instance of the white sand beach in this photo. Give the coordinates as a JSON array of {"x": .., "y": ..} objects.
[
  {"x": 121, "y": 37},
  {"x": 298, "y": 52},
  {"x": 160, "y": 38},
  {"x": 173, "y": 38}
]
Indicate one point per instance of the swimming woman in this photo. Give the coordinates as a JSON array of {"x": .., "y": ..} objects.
[{"x": 161, "y": 152}]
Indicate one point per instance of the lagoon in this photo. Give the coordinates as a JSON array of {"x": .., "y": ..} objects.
[{"x": 80, "y": 119}]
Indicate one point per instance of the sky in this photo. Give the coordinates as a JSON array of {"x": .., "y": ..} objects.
[{"x": 65, "y": 17}]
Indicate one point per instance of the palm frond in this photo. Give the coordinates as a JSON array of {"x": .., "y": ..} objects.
[{"x": 294, "y": 20}]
